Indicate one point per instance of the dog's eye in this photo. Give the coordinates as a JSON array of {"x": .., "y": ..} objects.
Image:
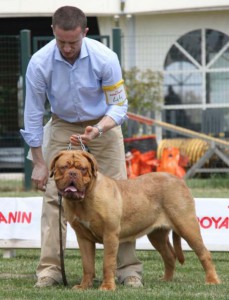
[
  {"x": 63, "y": 168},
  {"x": 83, "y": 171}
]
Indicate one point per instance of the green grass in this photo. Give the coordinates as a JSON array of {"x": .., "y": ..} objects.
[
  {"x": 17, "y": 279},
  {"x": 17, "y": 275},
  {"x": 15, "y": 188},
  {"x": 215, "y": 186}
]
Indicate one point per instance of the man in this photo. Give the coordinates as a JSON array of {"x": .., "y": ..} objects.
[{"x": 83, "y": 82}]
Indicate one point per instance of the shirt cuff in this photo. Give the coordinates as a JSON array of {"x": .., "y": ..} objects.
[{"x": 32, "y": 140}]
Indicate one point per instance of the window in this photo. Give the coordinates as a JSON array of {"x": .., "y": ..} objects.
[{"x": 196, "y": 80}]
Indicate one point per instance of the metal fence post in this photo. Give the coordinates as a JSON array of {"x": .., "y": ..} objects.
[
  {"x": 116, "y": 38},
  {"x": 25, "y": 39}
]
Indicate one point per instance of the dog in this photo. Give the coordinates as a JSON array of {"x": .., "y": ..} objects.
[{"x": 103, "y": 210}]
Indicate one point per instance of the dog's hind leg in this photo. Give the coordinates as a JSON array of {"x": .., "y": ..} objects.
[
  {"x": 178, "y": 248},
  {"x": 160, "y": 241},
  {"x": 190, "y": 231}
]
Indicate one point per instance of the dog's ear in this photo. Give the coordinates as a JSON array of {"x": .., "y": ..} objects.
[
  {"x": 92, "y": 162},
  {"x": 53, "y": 163}
]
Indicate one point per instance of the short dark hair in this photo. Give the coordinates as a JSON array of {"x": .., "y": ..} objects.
[{"x": 69, "y": 18}]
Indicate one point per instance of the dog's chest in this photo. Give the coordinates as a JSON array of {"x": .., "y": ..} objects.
[{"x": 88, "y": 226}]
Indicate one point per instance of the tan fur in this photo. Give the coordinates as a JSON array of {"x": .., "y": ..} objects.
[{"x": 108, "y": 211}]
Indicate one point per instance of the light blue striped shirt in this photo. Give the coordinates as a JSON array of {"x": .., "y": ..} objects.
[{"x": 74, "y": 91}]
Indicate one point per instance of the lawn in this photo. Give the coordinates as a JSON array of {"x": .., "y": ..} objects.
[
  {"x": 17, "y": 279},
  {"x": 17, "y": 275}
]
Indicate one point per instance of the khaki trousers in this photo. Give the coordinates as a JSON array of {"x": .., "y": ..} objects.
[{"x": 110, "y": 155}]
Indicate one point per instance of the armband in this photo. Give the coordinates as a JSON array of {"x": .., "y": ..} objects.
[{"x": 115, "y": 94}]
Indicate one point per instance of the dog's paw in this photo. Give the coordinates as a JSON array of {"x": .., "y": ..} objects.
[
  {"x": 81, "y": 287},
  {"x": 107, "y": 287},
  {"x": 78, "y": 287},
  {"x": 166, "y": 278},
  {"x": 213, "y": 280}
]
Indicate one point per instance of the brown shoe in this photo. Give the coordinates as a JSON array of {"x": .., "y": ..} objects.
[
  {"x": 133, "y": 281},
  {"x": 43, "y": 282}
]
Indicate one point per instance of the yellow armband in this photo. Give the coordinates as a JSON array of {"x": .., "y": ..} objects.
[{"x": 115, "y": 94}]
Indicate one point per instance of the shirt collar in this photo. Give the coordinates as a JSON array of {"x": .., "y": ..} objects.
[{"x": 83, "y": 52}]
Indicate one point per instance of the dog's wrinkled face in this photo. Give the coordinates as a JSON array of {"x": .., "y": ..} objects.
[{"x": 74, "y": 172}]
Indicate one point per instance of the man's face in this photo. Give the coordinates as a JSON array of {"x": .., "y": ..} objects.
[{"x": 69, "y": 42}]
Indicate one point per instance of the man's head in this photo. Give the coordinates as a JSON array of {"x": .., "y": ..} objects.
[
  {"x": 69, "y": 18},
  {"x": 69, "y": 26}
]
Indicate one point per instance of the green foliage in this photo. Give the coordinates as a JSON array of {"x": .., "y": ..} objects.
[{"x": 144, "y": 89}]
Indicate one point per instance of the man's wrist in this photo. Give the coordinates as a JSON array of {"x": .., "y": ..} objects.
[{"x": 100, "y": 130}]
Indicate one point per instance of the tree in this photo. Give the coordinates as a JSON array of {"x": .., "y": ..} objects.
[{"x": 144, "y": 94}]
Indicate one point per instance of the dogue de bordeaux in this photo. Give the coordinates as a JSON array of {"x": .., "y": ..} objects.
[{"x": 103, "y": 210}]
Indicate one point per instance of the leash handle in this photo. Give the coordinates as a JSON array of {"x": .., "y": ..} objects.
[{"x": 81, "y": 144}]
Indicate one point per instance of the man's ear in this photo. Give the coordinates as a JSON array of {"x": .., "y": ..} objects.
[{"x": 85, "y": 31}]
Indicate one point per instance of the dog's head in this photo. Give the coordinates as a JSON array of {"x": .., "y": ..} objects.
[{"x": 74, "y": 172}]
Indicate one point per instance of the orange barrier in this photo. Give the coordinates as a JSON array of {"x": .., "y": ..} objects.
[
  {"x": 138, "y": 163},
  {"x": 172, "y": 162}
]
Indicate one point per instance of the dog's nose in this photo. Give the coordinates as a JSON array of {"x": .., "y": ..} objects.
[{"x": 72, "y": 174}]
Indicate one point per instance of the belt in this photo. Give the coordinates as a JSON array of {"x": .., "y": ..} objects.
[{"x": 82, "y": 123}]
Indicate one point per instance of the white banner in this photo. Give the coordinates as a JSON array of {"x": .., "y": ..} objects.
[{"x": 20, "y": 224}]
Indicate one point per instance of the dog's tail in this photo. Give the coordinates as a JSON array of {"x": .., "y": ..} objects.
[{"x": 177, "y": 247}]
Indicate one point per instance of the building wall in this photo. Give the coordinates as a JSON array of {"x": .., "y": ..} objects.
[
  {"x": 163, "y": 30},
  {"x": 149, "y": 6},
  {"x": 147, "y": 40},
  {"x": 10, "y": 8},
  {"x": 160, "y": 31}
]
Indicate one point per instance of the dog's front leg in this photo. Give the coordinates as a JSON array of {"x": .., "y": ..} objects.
[
  {"x": 87, "y": 251},
  {"x": 111, "y": 244}
]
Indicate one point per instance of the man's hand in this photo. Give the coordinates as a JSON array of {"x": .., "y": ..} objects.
[
  {"x": 40, "y": 172},
  {"x": 40, "y": 176},
  {"x": 89, "y": 134},
  {"x": 92, "y": 132}
]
